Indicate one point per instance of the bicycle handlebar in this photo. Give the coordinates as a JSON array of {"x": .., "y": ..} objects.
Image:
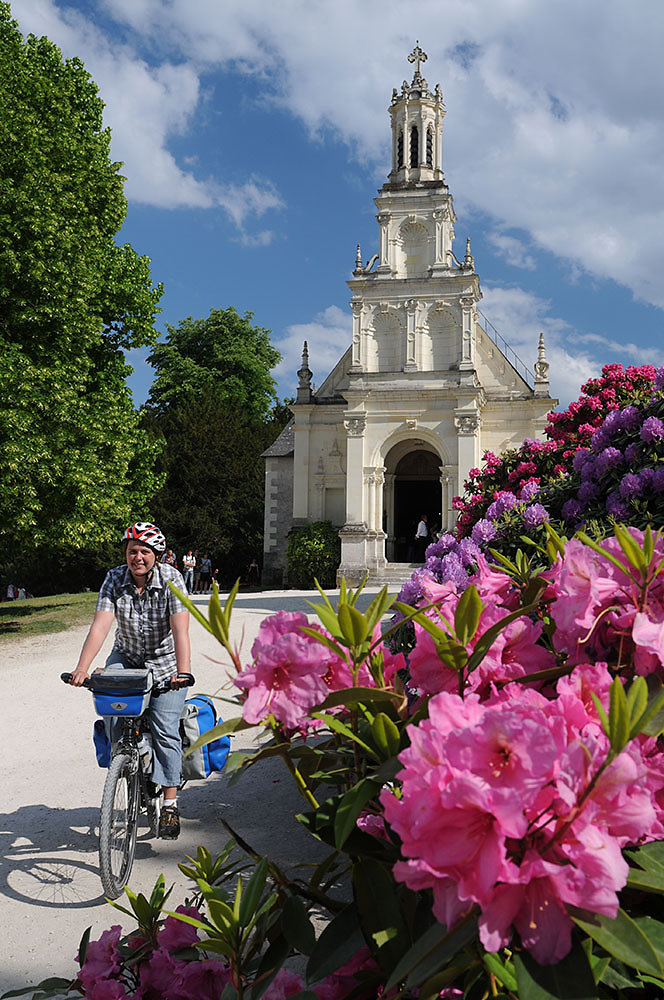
[{"x": 188, "y": 680}]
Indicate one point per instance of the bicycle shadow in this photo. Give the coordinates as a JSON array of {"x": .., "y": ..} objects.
[{"x": 40, "y": 849}]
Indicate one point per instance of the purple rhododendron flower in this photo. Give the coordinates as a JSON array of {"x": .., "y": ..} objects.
[
  {"x": 505, "y": 502},
  {"x": 535, "y": 515},
  {"x": 469, "y": 552},
  {"x": 572, "y": 510},
  {"x": 616, "y": 506},
  {"x": 483, "y": 531},
  {"x": 632, "y": 453},
  {"x": 658, "y": 384},
  {"x": 658, "y": 480},
  {"x": 587, "y": 491},
  {"x": 630, "y": 485},
  {"x": 652, "y": 430},
  {"x": 610, "y": 458},
  {"x": 529, "y": 491},
  {"x": 630, "y": 418},
  {"x": 647, "y": 477},
  {"x": 452, "y": 569},
  {"x": 582, "y": 456}
]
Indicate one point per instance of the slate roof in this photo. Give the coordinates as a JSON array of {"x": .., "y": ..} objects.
[{"x": 285, "y": 443}]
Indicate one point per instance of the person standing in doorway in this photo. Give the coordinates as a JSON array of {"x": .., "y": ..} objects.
[{"x": 422, "y": 538}]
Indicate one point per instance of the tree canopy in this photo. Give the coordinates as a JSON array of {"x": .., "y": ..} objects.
[
  {"x": 74, "y": 463},
  {"x": 223, "y": 354}
]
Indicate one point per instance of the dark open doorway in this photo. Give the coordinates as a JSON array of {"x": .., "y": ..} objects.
[{"x": 417, "y": 491}]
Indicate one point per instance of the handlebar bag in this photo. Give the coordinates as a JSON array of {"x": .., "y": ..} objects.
[
  {"x": 199, "y": 717},
  {"x": 121, "y": 692}
]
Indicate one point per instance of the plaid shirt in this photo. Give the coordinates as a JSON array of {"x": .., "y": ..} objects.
[{"x": 144, "y": 628}]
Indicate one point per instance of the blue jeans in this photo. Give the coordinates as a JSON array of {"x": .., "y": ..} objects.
[
  {"x": 164, "y": 714},
  {"x": 189, "y": 579}
]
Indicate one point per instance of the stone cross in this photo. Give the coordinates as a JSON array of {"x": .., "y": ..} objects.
[{"x": 417, "y": 56}]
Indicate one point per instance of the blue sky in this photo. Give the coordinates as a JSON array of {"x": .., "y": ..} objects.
[{"x": 254, "y": 137}]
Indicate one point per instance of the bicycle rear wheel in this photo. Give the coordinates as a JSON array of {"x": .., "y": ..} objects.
[{"x": 118, "y": 821}]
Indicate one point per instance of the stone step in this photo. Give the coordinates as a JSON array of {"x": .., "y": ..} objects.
[{"x": 394, "y": 573}]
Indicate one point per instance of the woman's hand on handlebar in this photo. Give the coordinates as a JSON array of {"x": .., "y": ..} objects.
[
  {"x": 181, "y": 680},
  {"x": 79, "y": 677}
]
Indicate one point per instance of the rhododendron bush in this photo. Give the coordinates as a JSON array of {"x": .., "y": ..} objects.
[{"x": 493, "y": 802}]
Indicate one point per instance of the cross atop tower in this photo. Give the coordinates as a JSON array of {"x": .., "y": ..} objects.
[{"x": 417, "y": 56}]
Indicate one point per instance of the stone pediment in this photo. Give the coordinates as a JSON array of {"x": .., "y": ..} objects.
[{"x": 336, "y": 383}]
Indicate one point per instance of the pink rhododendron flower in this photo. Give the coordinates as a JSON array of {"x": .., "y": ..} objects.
[
  {"x": 288, "y": 675},
  {"x": 341, "y": 984},
  {"x": 489, "y": 814},
  {"x": 203, "y": 980},
  {"x": 285, "y": 984},
  {"x": 160, "y": 975},
  {"x": 106, "y": 989},
  {"x": 102, "y": 959},
  {"x": 176, "y": 934},
  {"x": 372, "y": 824}
]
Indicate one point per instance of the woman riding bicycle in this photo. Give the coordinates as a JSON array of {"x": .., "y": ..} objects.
[{"x": 152, "y": 632}]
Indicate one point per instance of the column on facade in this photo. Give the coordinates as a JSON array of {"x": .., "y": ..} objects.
[
  {"x": 411, "y": 335},
  {"x": 302, "y": 431},
  {"x": 440, "y": 217},
  {"x": 319, "y": 513},
  {"x": 467, "y": 303},
  {"x": 356, "y": 355},
  {"x": 355, "y": 424},
  {"x": 467, "y": 423},
  {"x": 380, "y": 486},
  {"x": 384, "y": 247},
  {"x": 369, "y": 479},
  {"x": 447, "y": 486},
  {"x": 388, "y": 500}
]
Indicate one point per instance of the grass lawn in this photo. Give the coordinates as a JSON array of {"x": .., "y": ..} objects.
[{"x": 41, "y": 615}]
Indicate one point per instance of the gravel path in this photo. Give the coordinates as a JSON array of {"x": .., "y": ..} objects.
[{"x": 49, "y": 885}]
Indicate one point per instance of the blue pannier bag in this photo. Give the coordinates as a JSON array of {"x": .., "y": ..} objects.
[
  {"x": 102, "y": 743},
  {"x": 199, "y": 717}
]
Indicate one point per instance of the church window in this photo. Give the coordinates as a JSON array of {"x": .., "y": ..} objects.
[
  {"x": 400, "y": 149},
  {"x": 414, "y": 147},
  {"x": 429, "y": 147}
]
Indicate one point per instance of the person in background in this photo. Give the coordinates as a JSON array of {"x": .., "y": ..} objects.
[
  {"x": 206, "y": 573},
  {"x": 422, "y": 538},
  {"x": 188, "y": 565}
]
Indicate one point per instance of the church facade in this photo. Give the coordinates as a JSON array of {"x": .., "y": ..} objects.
[{"x": 424, "y": 389}]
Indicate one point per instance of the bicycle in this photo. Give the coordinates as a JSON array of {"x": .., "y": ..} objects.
[{"x": 128, "y": 789}]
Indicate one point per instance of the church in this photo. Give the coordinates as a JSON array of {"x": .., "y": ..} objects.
[{"x": 424, "y": 389}]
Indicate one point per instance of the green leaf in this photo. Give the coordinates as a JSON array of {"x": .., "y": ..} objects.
[
  {"x": 621, "y": 937},
  {"x": 341, "y": 939},
  {"x": 646, "y": 881},
  {"x": 503, "y": 972},
  {"x": 357, "y": 696},
  {"x": 386, "y": 735},
  {"x": 380, "y": 912},
  {"x": 328, "y": 617},
  {"x": 253, "y": 892},
  {"x": 467, "y": 615},
  {"x": 337, "y": 726},
  {"x": 648, "y": 856},
  {"x": 487, "y": 639},
  {"x": 587, "y": 540},
  {"x": 352, "y": 624},
  {"x": 83, "y": 946},
  {"x": 571, "y": 978},
  {"x": 297, "y": 927},
  {"x": 430, "y": 952},
  {"x": 651, "y": 722},
  {"x": 324, "y": 640},
  {"x": 618, "y": 717},
  {"x": 632, "y": 550},
  {"x": 350, "y": 807},
  {"x": 221, "y": 915}
]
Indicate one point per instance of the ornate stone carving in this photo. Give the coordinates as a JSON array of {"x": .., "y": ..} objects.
[
  {"x": 356, "y": 306},
  {"x": 411, "y": 424},
  {"x": 355, "y": 426},
  {"x": 467, "y": 423}
]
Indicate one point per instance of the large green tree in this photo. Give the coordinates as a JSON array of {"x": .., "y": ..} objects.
[
  {"x": 223, "y": 354},
  {"x": 74, "y": 462}
]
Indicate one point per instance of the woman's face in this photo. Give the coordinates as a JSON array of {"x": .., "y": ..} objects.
[{"x": 140, "y": 558}]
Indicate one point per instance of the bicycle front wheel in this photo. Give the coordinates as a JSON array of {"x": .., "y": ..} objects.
[{"x": 118, "y": 822}]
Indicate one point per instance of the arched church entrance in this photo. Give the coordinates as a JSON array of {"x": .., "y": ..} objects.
[{"x": 414, "y": 479}]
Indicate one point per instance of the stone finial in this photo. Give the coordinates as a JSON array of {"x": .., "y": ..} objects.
[
  {"x": 541, "y": 368},
  {"x": 468, "y": 260},
  {"x": 304, "y": 375},
  {"x": 358, "y": 261}
]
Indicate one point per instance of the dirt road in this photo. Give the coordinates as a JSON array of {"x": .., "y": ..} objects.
[{"x": 49, "y": 885}]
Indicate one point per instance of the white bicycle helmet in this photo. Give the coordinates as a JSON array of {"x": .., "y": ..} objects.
[{"x": 147, "y": 533}]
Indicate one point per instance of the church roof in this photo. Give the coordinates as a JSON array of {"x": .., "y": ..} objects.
[{"x": 285, "y": 443}]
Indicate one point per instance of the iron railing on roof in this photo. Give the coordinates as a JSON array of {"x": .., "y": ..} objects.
[{"x": 519, "y": 366}]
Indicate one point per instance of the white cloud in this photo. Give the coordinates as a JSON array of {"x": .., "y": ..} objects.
[
  {"x": 328, "y": 337},
  {"x": 147, "y": 105},
  {"x": 513, "y": 250},
  {"x": 554, "y": 127}
]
